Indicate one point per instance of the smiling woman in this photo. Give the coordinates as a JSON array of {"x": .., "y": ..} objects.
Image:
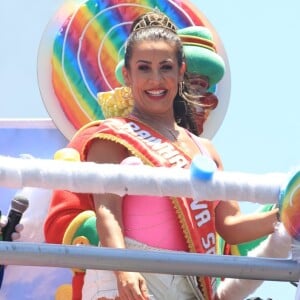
[
  {"x": 254, "y": 116},
  {"x": 156, "y": 133}
]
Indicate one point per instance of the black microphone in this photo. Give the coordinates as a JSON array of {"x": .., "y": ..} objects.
[{"x": 18, "y": 205}]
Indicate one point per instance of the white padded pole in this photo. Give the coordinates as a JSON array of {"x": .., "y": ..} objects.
[{"x": 138, "y": 180}]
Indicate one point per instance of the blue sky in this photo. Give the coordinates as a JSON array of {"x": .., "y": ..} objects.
[{"x": 260, "y": 133}]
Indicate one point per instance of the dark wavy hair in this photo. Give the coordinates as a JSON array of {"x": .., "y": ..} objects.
[{"x": 184, "y": 115}]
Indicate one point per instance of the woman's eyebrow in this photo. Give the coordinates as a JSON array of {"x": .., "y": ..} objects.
[
  {"x": 168, "y": 60},
  {"x": 150, "y": 62},
  {"x": 143, "y": 61}
]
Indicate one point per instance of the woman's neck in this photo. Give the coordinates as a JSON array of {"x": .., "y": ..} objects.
[
  {"x": 151, "y": 120},
  {"x": 164, "y": 125}
]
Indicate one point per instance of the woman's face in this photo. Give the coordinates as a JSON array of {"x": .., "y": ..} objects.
[{"x": 153, "y": 76}]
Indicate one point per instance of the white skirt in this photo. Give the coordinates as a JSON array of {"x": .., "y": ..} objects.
[{"x": 102, "y": 283}]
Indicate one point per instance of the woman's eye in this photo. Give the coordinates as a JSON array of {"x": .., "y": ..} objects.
[
  {"x": 167, "y": 67},
  {"x": 143, "y": 68}
]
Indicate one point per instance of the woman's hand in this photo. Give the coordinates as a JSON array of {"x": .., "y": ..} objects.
[{"x": 132, "y": 286}]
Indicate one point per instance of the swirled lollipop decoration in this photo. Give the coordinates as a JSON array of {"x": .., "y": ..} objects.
[
  {"x": 289, "y": 206},
  {"x": 81, "y": 47}
]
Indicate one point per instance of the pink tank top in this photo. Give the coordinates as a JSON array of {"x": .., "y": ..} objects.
[{"x": 153, "y": 220}]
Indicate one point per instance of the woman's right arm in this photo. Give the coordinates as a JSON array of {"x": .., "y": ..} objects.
[{"x": 108, "y": 208}]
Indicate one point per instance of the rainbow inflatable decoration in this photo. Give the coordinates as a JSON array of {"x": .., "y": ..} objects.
[
  {"x": 289, "y": 206},
  {"x": 82, "y": 45}
]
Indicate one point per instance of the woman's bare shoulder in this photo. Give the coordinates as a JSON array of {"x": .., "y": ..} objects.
[
  {"x": 205, "y": 141},
  {"x": 106, "y": 151}
]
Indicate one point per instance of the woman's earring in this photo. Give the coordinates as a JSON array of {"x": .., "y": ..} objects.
[{"x": 180, "y": 89}]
